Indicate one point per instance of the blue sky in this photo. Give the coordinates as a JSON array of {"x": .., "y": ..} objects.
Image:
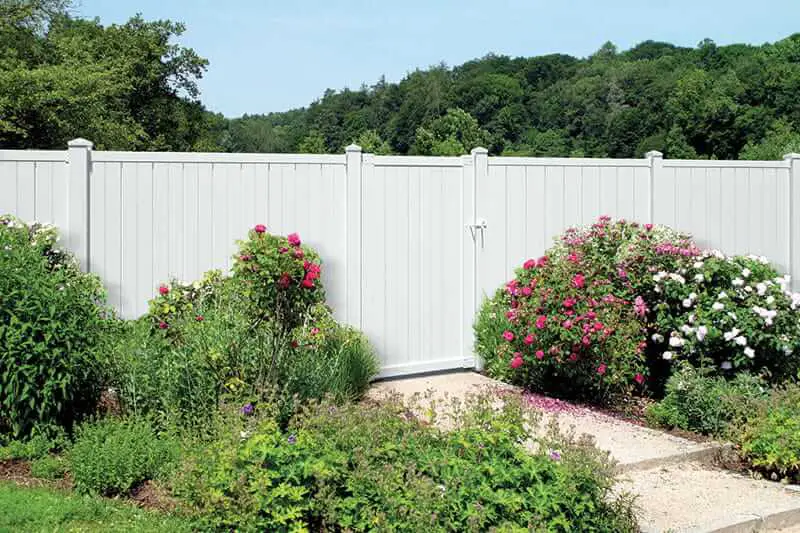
[{"x": 274, "y": 55}]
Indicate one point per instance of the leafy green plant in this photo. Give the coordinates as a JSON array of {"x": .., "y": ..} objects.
[
  {"x": 708, "y": 404},
  {"x": 34, "y": 447},
  {"x": 770, "y": 439},
  {"x": 52, "y": 324},
  {"x": 49, "y": 467},
  {"x": 111, "y": 456},
  {"x": 375, "y": 467}
]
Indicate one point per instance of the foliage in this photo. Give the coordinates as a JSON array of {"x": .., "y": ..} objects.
[
  {"x": 705, "y": 102},
  {"x": 35, "y": 447},
  {"x": 279, "y": 277},
  {"x": 729, "y": 313},
  {"x": 52, "y": 323},
  {"x": 779, "y": 141},
  {"x": 455, "y": 133},
  {"x": 706, "y": 404},
  {"x": 612, "y": 308},
  {"x": 112, "y": 456},
  {"x": 374, "y": 467},
  {"x": 770, "y": 440},
  {"x": 49, "y": 467},
  {"x": 43, "y": 509},
  {"x": 124, "y": 86},
  {"x": 370, "y": 142}
]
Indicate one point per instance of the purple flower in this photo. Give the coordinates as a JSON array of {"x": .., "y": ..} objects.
[
  {"x": 292, "y": 439},
  {"x": 555, "y": 455},
  {"x": 247, "y": 409}
]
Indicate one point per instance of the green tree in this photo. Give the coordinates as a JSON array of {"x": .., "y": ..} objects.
[
  {"x": 371, "y": 142},
  {"x": 455, "y": 133},
  {"x": 779, "y": 141},
  {"x": 313, "y": 143}
]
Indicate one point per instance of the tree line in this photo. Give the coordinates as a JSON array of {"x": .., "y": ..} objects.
[{"x": 130, "y": 87}]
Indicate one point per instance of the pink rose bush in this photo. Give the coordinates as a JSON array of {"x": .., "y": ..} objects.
[{"x": 611, "y": 308}]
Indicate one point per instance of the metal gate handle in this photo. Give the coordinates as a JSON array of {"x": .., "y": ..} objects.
[{"x": 480, "y": 224}]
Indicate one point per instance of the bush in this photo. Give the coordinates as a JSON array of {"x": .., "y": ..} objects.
[
  {"x": 279, "y": 277},
  {"x": 730, "y": 314},
  {"x": 35, "y": 447},
  {"x": 770, "y": 440},
  {"x": 611, "y": 309},
  {"x": 52, "y": 321},
  {"x": 365, "y": 468},
  {"x": 204, "y": 343},
  {"x": 706, "y": 404},
  {"x": 112, "y": 456},
  {"x": 49, "y": 467}
]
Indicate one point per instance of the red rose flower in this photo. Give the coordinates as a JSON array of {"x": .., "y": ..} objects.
[
  {"x": 162, "y": 325},
  {"x": 163, "y": 290},
  {"x": 294, "y": 239},
  {"x": 260, "y": 228},
  {"x": 517, "y": 361}
]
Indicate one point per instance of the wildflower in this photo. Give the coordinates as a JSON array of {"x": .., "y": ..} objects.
[
  {"x": 749, "y": 352},
  {"x": 294, "y": 239},
  {"x": 541, "y": 321},
  {"x": 246, "y": 409},
  {"x": 517, "y": 361},
  {"x": 555, "y": 455},
  {"x": 163, "y": 290},
  {"x": 507, "y": 335},
  {"x": 602, "y": 369},
  {"x": 638, "y": 378},
  {"x": 260, "y": 228},
  {"x": 578, "y": 281}
]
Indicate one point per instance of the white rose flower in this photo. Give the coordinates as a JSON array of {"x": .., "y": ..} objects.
[
  {"x": 726, "y": 365},
  {"x": 740, "y": 340},
  {"x": 738, "y": 282},
  {"x": 667, "y": 355},
  {"x": 717, "y": 306},
  {"x": 746, "y": 272},
  {"x": 770, "y": 300},
  {"x": 676, "y": 342},
  {"x": 702, "y": 331},
  {"x": 687, "y": 329},
  {"x": 730, "y": 335},
  {"x": 691, "y": 318},
  {"x": 687, "y": 302},
  {"x": 749, "y": 352},
  {"x": 657, "y": 337},
  {"x": 748, "y": 289},
  {"x": 699, "y": 278},
  {"x": 677, "y": 277},
  {"x": 698, "y": 265},
  {"x": 761, "y": 289}
]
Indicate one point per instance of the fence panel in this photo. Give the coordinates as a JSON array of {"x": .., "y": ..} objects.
[{"x": 33, "y": 185}]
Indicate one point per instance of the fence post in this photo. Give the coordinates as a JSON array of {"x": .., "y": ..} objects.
[
  {"x": 354, "y": 170},
  {"x": 793, "y": 161},
  {"x": 480, "y": 172},
  {"x": 656, "y": 160},
  {"x": 79, "y": 156}
]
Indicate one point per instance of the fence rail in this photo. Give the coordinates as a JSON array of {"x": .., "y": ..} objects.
[{"x": 402, "y": 257}]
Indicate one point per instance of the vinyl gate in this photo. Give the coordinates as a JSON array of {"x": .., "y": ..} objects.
[{"x": 411, "y": 245}]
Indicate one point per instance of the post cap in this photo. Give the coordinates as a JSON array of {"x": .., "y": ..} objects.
[
  {"x": 352, "y": 148},
  {"x": 790, "y": 157},
  {"x": 80, "y": 143},
  {"x": 480, "y": 150},
  {"x": 653, "y": 154}
]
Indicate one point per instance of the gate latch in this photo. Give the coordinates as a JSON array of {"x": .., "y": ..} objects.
[{"x": 480, "y": 225}]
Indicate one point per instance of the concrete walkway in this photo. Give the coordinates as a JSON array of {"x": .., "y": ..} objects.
[{"x": 679, "y": 489}]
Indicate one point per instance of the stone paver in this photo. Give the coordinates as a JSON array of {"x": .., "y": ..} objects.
[{"x": 678, "y": 489}]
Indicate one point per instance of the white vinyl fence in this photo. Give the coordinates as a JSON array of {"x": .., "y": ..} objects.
[{"x": 410, "y": 245}]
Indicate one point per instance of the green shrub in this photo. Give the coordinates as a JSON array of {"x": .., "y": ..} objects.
[
  {"x": 111, "y": 456},
  {"x": 279, "y": 277},
  {"x": 35, "y": 447},
  {"x": 52, "y": 321},
  {"x": 367, "y": 468},
  {"x": 770, "y": 440},
  {"x": 729, "y": 314},
  {"x": 50, "y": 467},
  {"x": 706, "y": 404},
  {"x": 613, "y": 308}
]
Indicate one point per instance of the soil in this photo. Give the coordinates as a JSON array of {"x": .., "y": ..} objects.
[
  {"x": 150, "y": 495},
  {"x": 19, "y": 472}
]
